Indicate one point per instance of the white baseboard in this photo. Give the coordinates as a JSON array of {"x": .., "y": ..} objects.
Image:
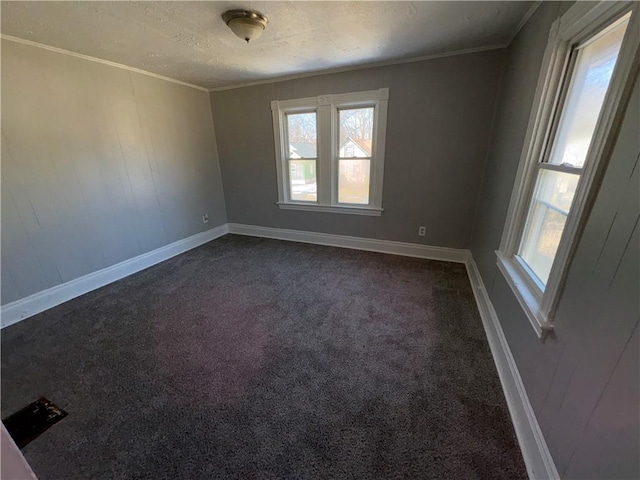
[
  {"x": 39, "y": 302},
  {"x": 536, "y": 454},
  {"x": 537, "y": 458},
  {"x": 356, "y": 243}
]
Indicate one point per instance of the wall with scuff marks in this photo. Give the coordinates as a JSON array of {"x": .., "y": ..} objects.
[
  {"x": 583, "y": 382},
  {"x": 99, "y": 165},
  {"x": 438, "y": 124}
]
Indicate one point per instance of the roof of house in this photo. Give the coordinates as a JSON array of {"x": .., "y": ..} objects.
[
  {"x": 364, "y": 144},
  {"x": 303, "y": 150},
  {"x": 361, "y": 143}
]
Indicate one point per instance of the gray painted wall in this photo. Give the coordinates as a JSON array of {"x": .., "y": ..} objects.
[
  {"x": 584, "y": 382},
  {"x": 99, "y": 165},
  {"x": 440, "y": 113}
]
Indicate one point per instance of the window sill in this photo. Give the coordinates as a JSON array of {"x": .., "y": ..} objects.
[
  {"x": 528, "y": 296},
  {"x": 349, "y": 210}
]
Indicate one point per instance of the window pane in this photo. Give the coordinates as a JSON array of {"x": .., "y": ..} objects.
[
  {"x": 585, "y": 96},
  {"x": 356, "y": 132},
  {"x": 302, "y": 178},
  {"x": 547, "y": 215},
  {"x": 303, "y": 136},
  {"x": 353, "y": 181}
]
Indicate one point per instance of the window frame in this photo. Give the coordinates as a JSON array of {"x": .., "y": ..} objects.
[
  {"x": 287, "y": 153},
  {"x": 327, "y": 109},
  {"x": 335, "y": 199},
  {"x": 577, "y": 25}
]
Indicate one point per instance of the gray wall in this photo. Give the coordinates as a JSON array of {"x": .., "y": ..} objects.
[
  {"x": 99, "y": 165},
  {"x": 584, "y": 382},
  {"x": 440, "y": 113}
]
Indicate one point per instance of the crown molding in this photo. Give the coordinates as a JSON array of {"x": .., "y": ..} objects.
[
  {"x": 364, "y": 66},
  {"x": 283, "y": 78},
  {"x": 523, "y": 22},
  {"x": 98, "y": 60}
]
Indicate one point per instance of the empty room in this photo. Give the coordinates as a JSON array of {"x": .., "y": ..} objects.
[{"x": 320, "y": 240}]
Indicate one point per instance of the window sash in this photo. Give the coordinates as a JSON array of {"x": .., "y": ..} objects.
[
  {"x": 287, "y": 154},
  {"x": 540, "y": 206},
  {"x": 335, "y": 164},
  {"x": 287, "y": 141},
  {"x": 581, "y": 22},
  {"x": 290, "y": 180},
  {"x": 572, "y": 79},
  {"x": 337, "y": 181}
]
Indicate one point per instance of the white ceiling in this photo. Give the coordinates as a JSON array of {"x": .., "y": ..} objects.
[{"x": 188, "y": 41}]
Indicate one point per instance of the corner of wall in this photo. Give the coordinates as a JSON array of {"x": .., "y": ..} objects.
[{"x": 217, "y": 157}]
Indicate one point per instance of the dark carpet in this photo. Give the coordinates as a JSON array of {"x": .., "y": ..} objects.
[{"x": 251, "y": 358}]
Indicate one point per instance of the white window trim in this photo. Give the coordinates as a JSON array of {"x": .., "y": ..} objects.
[
  {"x": 326, "y": 107},
  {"x": 580, "y": 22}
]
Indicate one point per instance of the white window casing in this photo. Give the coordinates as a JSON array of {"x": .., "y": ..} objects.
[
  {"x": 581, "y": 22},
  {"x": 327, "y": 109}
]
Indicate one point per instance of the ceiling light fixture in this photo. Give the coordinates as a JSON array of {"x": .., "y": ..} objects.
[{"x": 246, "y": 24}]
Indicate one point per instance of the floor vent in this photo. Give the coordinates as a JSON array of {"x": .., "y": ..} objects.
[{"x": 29, "y": 423}]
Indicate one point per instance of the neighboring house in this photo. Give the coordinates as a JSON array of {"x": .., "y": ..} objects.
[
  {"x": 302, "y": 150},
  {"x": 360, "y": 148},
  {"x": 355, "y": 171}
]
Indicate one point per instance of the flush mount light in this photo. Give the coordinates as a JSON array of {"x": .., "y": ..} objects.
[{"x": 246, "y": 24}]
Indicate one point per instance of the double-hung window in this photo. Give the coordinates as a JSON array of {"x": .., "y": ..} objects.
[
  {"x": 586, "y": 71},
  {"x": 301, "y": 158},
  {"x": 330, "y": 152}
]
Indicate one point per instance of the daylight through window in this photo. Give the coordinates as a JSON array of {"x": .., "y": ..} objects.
[
  {"x": 558, "y": 175},
  {"x": 303, "y": 154},
  {"x": 587, "y": 68},
  {"x": 330, "y": 152}
]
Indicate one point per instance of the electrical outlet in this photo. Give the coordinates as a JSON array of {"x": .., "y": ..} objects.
[
  {"x": 422, "y": 231},
  {"x": 205, "y": 218}
]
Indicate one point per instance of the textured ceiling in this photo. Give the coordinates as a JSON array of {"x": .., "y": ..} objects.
[{"x": 188, "y": 41}]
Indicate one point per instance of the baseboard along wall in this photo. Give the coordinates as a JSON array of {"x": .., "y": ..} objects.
[
  {"x": 537, "y": 458},
  {"x": 355, "y": 243},
  {"x": 39, "y": 302},
  {"x": 534, "y": 449}
]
